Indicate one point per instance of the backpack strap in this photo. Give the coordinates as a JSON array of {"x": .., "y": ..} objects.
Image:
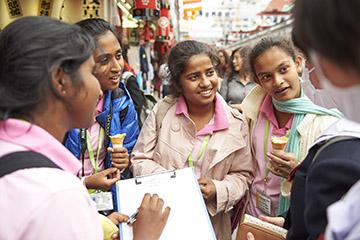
[
  {"x": 125, "y": 76},
  {"x": 328, "y": 143},
  {"x": 21, "y": 160},
  {"x": 163, "y": 107}
]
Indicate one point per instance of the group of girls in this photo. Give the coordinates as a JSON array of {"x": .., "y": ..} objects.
[{"x": 71, "y": 74}]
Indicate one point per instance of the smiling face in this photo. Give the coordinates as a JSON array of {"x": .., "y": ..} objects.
[
  {"x": 109, "y": 62},
  {"x": 199, "y": 81},
  {"x": 277, "y": 73}
]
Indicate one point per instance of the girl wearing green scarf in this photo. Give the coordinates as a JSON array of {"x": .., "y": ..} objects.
[{"x": 279, "y": 107}]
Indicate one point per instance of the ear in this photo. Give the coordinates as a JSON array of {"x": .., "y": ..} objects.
[
  {"x": 298, "y": 61},
  {"x": 60, "y": 81}
]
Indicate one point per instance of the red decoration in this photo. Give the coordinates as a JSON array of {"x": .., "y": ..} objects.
[{"x": 145, "y": 4}]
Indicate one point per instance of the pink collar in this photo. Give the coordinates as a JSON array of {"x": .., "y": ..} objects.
[
  {"x": 267, "y": 109},
  {"x": 220, "y": 120},
  {"x": 34, "y": 138}
]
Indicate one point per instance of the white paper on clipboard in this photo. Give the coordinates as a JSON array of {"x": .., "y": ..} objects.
[{"x": 180, "y": 191}]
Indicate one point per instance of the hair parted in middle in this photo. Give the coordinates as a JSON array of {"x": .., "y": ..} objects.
[
  {"x": 269, "y": 42},
  {"x": 179, "y": 57}
]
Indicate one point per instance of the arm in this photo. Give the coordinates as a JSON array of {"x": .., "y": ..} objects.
[
  {"x": 142, "y": 158},
  {"x": 335, "y": 170},
  {"x": 236, "y": 182}
]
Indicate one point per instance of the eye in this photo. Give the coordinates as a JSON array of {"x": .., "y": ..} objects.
[
  {"x": 193, "y": 77},
  {"x": 283, "y": 69},
  {"x": 210, "y": 73},
  {"x": 265, "y": 77},
  {"x": 104, "y": 60},
  {"x": 118, "y": 56}
]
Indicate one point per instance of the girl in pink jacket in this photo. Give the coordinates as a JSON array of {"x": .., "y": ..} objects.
[{"x": 198, "y": 130}]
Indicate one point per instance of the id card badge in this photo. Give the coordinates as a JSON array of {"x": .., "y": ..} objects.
[
  {"x": 263, "y": 202},
  {"x": 103, "y": 200}
]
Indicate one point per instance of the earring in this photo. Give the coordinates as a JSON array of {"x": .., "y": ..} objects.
[{"x": 63, "y": 91}]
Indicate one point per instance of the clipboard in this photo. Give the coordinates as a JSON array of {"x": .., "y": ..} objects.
[{"x": 180, "y": 191}]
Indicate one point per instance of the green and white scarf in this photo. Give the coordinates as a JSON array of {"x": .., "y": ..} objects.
[{"x": 300, "y": 107}]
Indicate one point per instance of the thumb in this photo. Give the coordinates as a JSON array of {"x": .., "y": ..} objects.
[
  {"x": 109, "y": 170},
  {"x": 250, "y": 236}
]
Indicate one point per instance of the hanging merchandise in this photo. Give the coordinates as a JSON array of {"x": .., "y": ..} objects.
[
  {"x": 163, "y": 24},
  {"x": 146, "y": 9},
  {"x": 147, "y": 33},
  {"x": 133, "y": 37}
]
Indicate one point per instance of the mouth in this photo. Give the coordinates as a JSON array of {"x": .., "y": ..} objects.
[
  {"x": 206, "y": 93},
  {"x": 115, "y": 79},
  {"x": 281, "y": 91}
]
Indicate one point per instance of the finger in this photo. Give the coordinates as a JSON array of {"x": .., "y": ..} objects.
[
  {"x": 276, "y": 159},
  {"x": 146, "y": 199},
  {"x": 117, "y": 174},
  {"x": 120, "y": 155},
  {"x": 250, "y": 236},
  {"x": 120, "y": 150},
  {"x": 166, "y": 213},
  {"x": 154, "y": 199},
  {"x": 109, "y": 170},
  {"x": 202, "y": 181},
  {"x": 120, "y": 217},
  {"x": 160, "y": 203},
  {"x": 115, "y": 236},
  {"x": 120, "y": 166},
  {"x": 112, "y": 181}
]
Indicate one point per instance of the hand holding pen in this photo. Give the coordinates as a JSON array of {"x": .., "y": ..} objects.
[{"x": 150, "y": 219}]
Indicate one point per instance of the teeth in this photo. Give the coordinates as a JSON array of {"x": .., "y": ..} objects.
[{"x": 206, "y": 92}]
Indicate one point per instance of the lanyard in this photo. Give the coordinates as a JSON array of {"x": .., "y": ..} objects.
[
  {"x": 95, "y": 162},
  {"x": 266, "y": 139},
  {"x": 201, "y": 152}
]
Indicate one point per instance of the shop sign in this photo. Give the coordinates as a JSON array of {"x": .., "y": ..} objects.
[
  {"x": 45, "y": 7},
  {"x": 91, "y": 8},
  {"x": 14, "y": 8}
]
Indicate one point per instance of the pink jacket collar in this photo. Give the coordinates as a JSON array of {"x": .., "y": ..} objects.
[
  {"x": 220, "y": 120},
  {"x": 34, "y": 138}
]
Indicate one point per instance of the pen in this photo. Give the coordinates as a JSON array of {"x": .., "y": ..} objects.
[{"x": 132, "y": 218}]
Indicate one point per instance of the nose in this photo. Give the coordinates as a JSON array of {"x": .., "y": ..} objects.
[
  {"x": 205, "y": 81},
  {"x": 115, "y": 66},
  {"x": 278, "y": 80}
]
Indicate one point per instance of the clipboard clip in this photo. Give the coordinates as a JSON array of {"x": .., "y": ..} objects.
[{"x": 173, "y": 175}]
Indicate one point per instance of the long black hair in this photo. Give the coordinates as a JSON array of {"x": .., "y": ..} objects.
[{"x": 30, "y": 48}]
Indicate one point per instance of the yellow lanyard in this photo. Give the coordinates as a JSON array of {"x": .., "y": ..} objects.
[
  {"x": 95, "y": 162},
  {"x": 266, "y": 139},
  {"x": 201, "y": 152}
]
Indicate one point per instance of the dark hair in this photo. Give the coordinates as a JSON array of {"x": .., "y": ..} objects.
[
  {"x": 97, "y": 27},
  {"x": 179, "y": 57},
  {"x": 224, "y": 70},
  {"x": 267, "y": 43},
  {"x": 30, "y": 48},
  {"x": 245, "y": 68},
  {"x": 331, "y": 28}
]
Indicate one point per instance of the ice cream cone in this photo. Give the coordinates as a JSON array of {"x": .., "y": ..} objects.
[
  {"x": 279, "y": 142},
  {"x": 117, "y": 140}
]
